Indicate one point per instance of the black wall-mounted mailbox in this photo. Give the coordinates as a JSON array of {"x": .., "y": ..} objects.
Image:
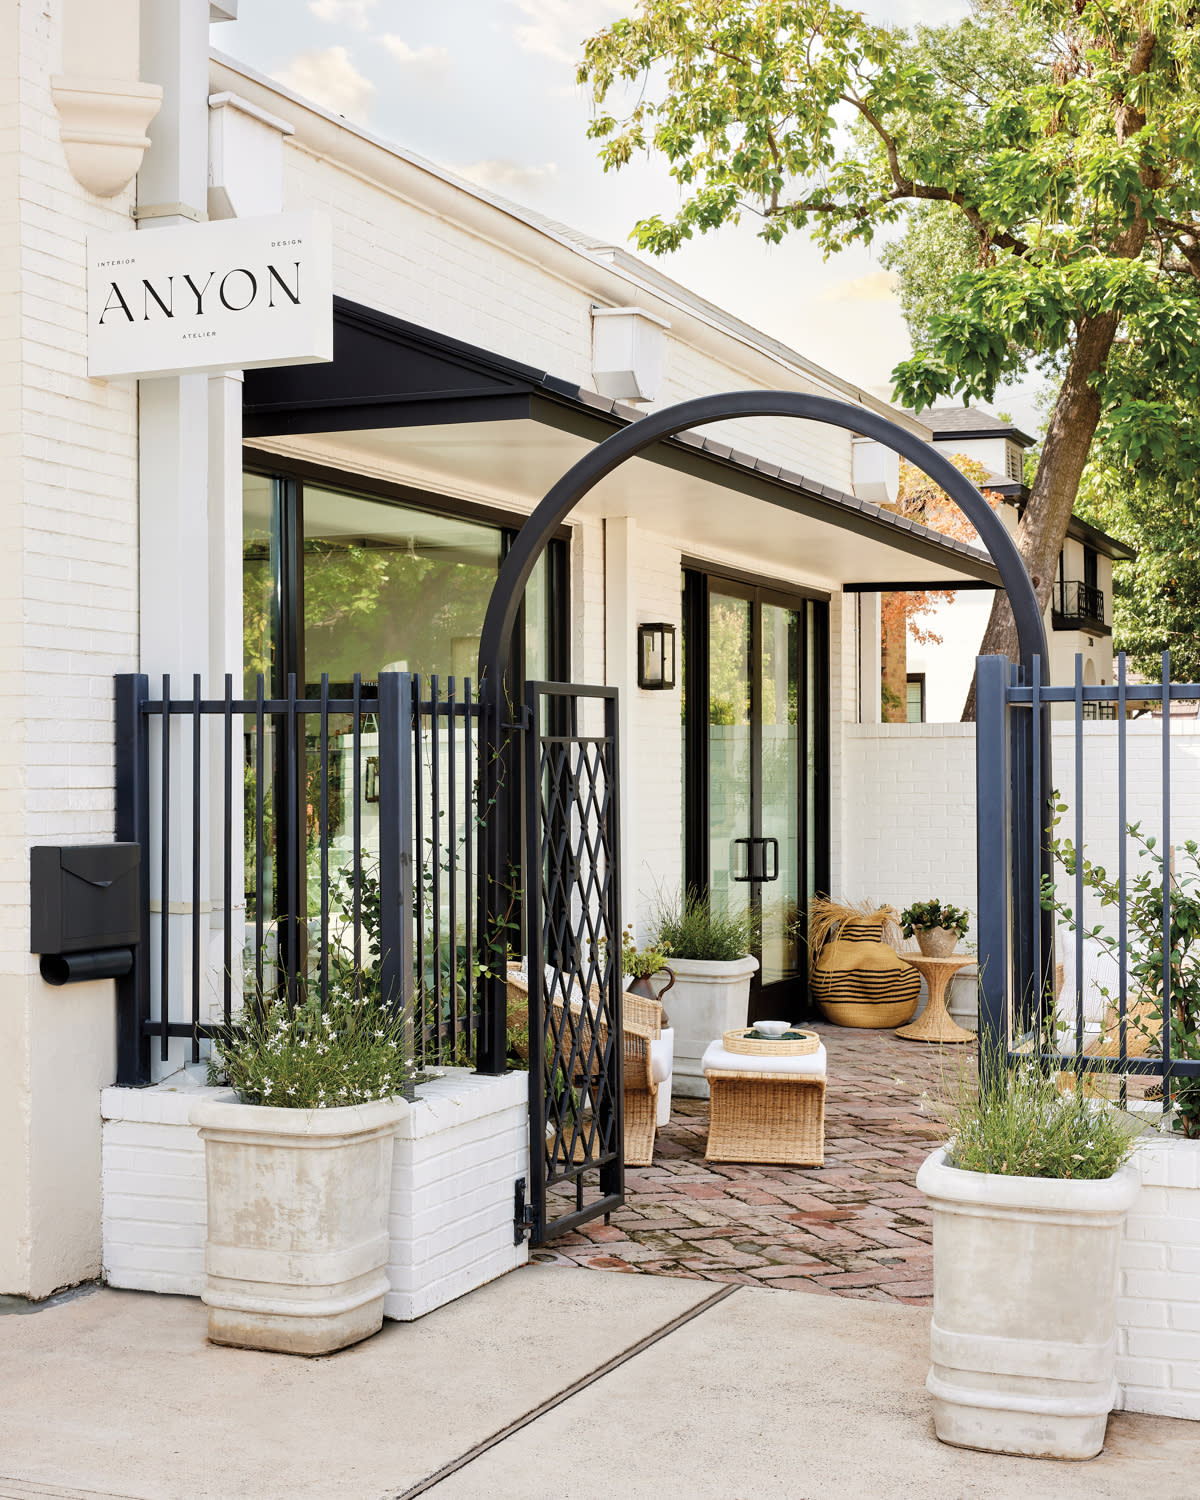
[{"x": 84, "y": 910}]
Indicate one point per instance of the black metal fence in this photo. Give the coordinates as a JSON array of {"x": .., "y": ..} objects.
[
  {"x": 1074, "y": 967},
  {"x": 292, "y": 844}
]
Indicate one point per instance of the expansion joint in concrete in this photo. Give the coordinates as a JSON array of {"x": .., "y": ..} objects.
[{"x": 565, "y": 1394}]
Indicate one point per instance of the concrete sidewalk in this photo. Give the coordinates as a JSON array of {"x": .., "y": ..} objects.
[{"x": 757, "y": 1394}]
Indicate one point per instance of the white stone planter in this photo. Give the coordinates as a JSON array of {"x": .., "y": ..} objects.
[
  {"x": 297, "y": 1244},
  {"x": 707, "y": 1000},
  {"x": 1024, "y": 1308},
  {"x": 962, "y": 1000}
]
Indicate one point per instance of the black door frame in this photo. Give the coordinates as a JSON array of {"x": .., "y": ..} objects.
[{"x": 699, "y": 582}]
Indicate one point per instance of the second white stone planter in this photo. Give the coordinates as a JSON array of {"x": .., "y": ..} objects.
[
  {"x": 707, "y": 1000},
  {"x": 297, "y": 1243},
  {"x": 1024, "y": 1308}
]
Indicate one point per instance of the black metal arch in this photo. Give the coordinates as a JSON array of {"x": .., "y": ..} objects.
[
  {"x": 505, "y": 601},
  {"x": 494, "y": 644}
]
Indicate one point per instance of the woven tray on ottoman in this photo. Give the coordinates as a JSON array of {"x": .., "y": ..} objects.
[{"x": 767, "y": 1109}]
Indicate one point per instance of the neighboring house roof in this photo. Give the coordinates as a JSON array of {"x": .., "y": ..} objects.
[
  {"x": 1109, "y": 546},
  {"x": 950, "y": 422},
  {"x": 1017, "y": 493},
  {"x": 947, "y": 422}
]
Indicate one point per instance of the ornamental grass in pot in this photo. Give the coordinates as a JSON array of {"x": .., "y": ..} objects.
[
  {"x": 710, "y": 956},
  {"x": 299, "y": 1167},
  {"x": 1029, "y": 1200}
]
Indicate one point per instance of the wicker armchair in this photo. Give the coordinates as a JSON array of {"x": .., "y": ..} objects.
[{"x": 641, "y": 1025}]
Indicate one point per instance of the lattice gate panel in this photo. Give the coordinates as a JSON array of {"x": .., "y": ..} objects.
[{"x": 574, "y": 936}]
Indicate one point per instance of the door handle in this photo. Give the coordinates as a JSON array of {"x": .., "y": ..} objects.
[{"x": 756, "y": 867}]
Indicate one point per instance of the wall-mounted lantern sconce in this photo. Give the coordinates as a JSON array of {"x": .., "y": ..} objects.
[{"x": 656, "y": 656}]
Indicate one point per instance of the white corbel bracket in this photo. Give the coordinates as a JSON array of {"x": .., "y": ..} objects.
[{"x": 103, "y": 127}]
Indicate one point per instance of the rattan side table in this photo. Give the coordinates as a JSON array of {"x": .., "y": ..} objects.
[{"x": 934, "y": 1024}]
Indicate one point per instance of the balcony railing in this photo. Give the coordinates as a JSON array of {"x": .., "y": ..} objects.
[{"x": 1077, "y": 604}]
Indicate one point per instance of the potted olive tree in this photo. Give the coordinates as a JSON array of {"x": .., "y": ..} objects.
[
  {"x": 710, "y": 955},
  {"x": 299, "y": 1166},
  {"x": 1029, "y": 1199}
]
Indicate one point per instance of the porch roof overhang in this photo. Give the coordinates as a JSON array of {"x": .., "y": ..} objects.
[{"x": 399, "y": 399}]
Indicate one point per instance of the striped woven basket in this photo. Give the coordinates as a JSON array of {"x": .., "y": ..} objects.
[{"x": 860, "y": 980}]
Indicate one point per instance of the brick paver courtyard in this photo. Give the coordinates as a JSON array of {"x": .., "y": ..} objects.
[{"x": 856, "y": 1227}]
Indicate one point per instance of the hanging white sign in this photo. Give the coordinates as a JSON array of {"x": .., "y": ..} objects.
[{"x": 230, "y": 295}]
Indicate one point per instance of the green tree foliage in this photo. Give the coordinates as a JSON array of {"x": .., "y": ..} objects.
[
  {"x": 1156, "y": 600},
  {"x": 938, "y": 244},
  {"x": 1063, "y": 134}
]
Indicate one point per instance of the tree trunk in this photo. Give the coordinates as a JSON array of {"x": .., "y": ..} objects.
[{"x": 1043, "y": 527}]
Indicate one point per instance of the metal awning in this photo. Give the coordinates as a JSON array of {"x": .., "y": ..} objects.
[{"x": 447, "y": 416}]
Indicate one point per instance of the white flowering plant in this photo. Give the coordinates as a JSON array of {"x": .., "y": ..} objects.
[
  {"x": 352, "y": 1051},
  {"x": 1023, "y": 1121}
]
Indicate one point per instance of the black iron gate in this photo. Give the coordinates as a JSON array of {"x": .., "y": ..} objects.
[{"x": 573, "y": 931}]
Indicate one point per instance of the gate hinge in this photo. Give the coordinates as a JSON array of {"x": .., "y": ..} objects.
[
  {"x": 522, "y": 719},
  {"x": 524, "y": 1217}
]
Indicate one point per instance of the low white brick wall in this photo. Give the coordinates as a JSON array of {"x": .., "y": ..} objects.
[
  {"x": 1158, "y": 1315},
  {"x": 153, "y": 1208},
  {"x": 458, "y": 1154}
]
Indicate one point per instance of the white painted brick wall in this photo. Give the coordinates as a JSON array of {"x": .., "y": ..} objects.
[
  {"x": 655, "y": 862},
  {"x": 904, "y": 810},
  {"x": 907, "y": 806},
  {"x": 68, "y": 621},
  {"x": 152, "y": 1171},
  {"x": 1158, "y": 1311},
  {"x": 458, "y": 1154},
  {"x": 394, "y": 251}
]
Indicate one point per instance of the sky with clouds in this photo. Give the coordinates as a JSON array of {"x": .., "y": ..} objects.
[{"x": 486, "y": 88}]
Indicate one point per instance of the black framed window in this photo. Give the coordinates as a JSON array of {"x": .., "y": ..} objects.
[
  {"x": 1091, "y": 568},
  {"x": 916, "y": 698},
  {"x": 340, "y": 577}
]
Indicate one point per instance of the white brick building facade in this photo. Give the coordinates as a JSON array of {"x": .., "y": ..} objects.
[
  {"x": 122, "y": 517},
  {"x": 68, "y": 621},
  {"x": 120, "y": 550}
]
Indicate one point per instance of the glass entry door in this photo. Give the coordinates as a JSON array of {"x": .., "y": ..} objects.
[{"x": 755, "y": 835}]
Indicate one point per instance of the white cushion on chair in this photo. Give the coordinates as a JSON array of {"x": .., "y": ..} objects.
[
  {"x": 719, "y": 1060},
  {"x": 662, "y": 1056}
]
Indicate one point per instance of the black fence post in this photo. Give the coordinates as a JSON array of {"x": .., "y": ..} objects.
[
  {"x": 133, "y": 827},
  {"x": 397, "y": 727},
  {"x": 992, "y": 824},
  {"x": 497, "y": 900}
]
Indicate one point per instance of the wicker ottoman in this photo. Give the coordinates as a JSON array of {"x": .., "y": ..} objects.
[{"x": 769, "y": 1110}]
